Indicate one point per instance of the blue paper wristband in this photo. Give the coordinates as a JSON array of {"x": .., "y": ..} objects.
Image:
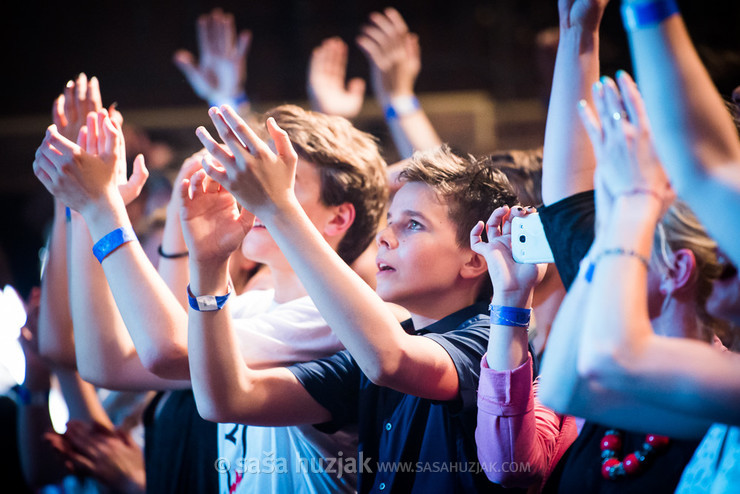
[
  {"x": 112, "y": 241},
  {"x": 502, "y": 315},
  {"x": 642, "y": 15},
  {"x": 208, "y": 303},
  {"x": 401, "y": 106}
]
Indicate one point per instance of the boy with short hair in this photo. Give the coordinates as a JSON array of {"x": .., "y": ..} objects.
[
  {"x": 341, "y": 191},
  {"x": 411, "y": 387}
]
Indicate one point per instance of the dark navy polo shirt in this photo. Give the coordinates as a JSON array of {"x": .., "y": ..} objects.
[{"x": 408, "y": 444}]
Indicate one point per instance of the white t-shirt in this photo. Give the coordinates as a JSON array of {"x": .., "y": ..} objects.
[{"x": 281, "y": 459}]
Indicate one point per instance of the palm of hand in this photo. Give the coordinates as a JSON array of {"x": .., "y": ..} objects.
[
  {"x": 212, "y": 225},
  {"x": 507, "y": 274},
  {"x": 221, "y": 75}
]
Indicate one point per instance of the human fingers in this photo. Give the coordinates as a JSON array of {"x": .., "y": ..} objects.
[
  {"x": 243, "y": 42},
  {"x": 135, "y": 183},
  {"x": 217, "y": 150},
  {"x": 57, "y": 112},
  {"x": 383, "y": 23},
  {"x": 244, "y": 132},
  {"x": 476, "y": 236},
  {"x": 371, "y": 49},
  {"x": 93, "y": 99},
  {"x": 614, "y": 105},
  {"x": 70, "y": 108},
  {"x": 214, "y": 170},
  {"x": 91, "y": 144},
  {"x": 591, "y": 123},
  {"x": 44, "y": 170},
  {"x": 210, "y": 186},
  {"x": 395, "y": 18},
  {"x": 81, "y": 94},
  {"x": 196, "y": 184},
  {"x": 495, "y": 221},
  {"x": 633, "y": 101},
  {"x": 283, "y": 146}
]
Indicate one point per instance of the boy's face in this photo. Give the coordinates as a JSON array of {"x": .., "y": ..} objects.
[
  {"x": 419, "y": 260},
  {"x": 259, "y": 245}
]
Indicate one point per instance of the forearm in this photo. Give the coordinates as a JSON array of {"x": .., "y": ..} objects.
[
  {"x": 226, "y": 389},
  {"x": 81, "y": 398},
  {"x": 616, "y": 321},
  {"x": 696, "y": 136},
  {"x": 174, "y": 271},
  {"x": 413, "y": 132},
  {"x": 152, "y": 315},
  {"x": 55, "y": 333},
  {"x": 508, "y": 346},
  {"x": 568, "y": 159},
  {"x": 356, "y": 314},
  {"x": 106, "y": 355}
]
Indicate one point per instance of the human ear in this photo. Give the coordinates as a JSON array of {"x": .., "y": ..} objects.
[
  {"x": 474, "y": 265},
  {"x": 342, "y": 218},
  {"x": 682, "y": 274}
]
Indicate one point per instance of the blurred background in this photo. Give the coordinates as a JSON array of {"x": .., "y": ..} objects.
[{"x": 484, "y": 80}]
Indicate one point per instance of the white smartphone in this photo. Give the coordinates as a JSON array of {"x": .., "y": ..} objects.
[{"x": 528, "y": 241}]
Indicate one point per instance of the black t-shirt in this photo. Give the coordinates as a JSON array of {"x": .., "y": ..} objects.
[
  {"x": 569, "y": 227},
  {"x": 408, "y": 444},
  {"x": 180, "y": 447}
]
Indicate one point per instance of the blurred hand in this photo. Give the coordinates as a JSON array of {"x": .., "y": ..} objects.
[{"x": 326, "y": 89}]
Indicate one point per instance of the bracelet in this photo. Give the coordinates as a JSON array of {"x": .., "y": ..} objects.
[
  {"x": 171, "y": 256},
  {"x": 208, "y": 303},
  {"x": 647, "y": 14},
  {"x": 28, "y": 397},
  {"x": 112, "y": 241},
  {"x": 618, "y": 251},
  {"x": 400, "y": 106},
  {"x": 502, "y": 315}
]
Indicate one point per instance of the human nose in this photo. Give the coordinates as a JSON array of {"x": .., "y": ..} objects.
[{"x": 385, "y": 237}]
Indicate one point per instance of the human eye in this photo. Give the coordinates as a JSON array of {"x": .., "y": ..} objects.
[{"x": 415, "y": 225}]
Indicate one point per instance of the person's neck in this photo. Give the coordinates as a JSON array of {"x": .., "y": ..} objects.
[
  {"x": 677, "y": 320},
  {"x": 428, "y": 312},
  {"x": 287, "y": 285}
]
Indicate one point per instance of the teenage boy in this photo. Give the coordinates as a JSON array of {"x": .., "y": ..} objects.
[
  {"x": 342, "y": 189},
  {"x": 409, "y": 387}
]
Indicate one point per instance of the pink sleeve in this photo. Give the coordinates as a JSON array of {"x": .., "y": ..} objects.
[{"x": 519, "y": 440}]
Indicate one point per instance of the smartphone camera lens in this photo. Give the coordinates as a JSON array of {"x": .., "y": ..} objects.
[{"x": 522, "y": 238}]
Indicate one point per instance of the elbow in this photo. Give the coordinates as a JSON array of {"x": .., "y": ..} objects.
[
  {"x": 384, "y": 371},
  {"x": 168, "y": 363},
  {"x": 554, "y": 396},
  {"x": 603, "y": 367}
]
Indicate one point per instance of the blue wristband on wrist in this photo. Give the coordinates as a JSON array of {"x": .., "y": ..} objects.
[
  {"x": 208, "y": 303},
  {"x": 502, "y": 315},
  {"x": 401, "y": 106},
  {"x": 68, "y": 213},
  {"x": 112, "y": 241},
  {"x": 234, "y": 103},
  {"x": 642, "y": 15}
]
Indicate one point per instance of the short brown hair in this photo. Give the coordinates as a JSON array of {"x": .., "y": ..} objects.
[
  {"x": 470, "y": 188},
  {"x": 350, "y": 167},
  {"x": 523, "y": 168}
]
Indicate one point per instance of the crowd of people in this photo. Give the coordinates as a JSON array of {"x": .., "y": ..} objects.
[{"x": 291, "y": 313}]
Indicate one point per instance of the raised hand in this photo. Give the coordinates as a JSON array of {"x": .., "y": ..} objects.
[
  {"x": 212, "y": 224},
  {"x": 259, "y": 178},
  {"x": 220, "y": 75},
  {"x": 512, "y": 282},
  {"x": 84, "y": 173},
  {"x": 70, "y": 109},
  {"x": 393, "y": 52},
  {"x": 326, "y": 86},
  {"x": 620, "y": 133}
]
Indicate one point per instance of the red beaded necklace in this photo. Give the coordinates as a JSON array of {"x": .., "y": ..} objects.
[{"x": 612, "y": 468}]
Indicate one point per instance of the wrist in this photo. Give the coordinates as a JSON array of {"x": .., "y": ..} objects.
[
  {"x": 520, "y": 298},
  {"x": 208, "y": 278},
  {"x": 32, "y": 397},
  {"x": 401, "y": 105},
  {"x": 105, "y": 215}
]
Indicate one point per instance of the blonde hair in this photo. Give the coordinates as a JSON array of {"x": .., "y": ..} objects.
[{"x": 680, "y": 229}]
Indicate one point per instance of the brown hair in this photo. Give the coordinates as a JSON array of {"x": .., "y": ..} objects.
[
  {"x": 350, "y": 167},
  {"x": 470, "y": 188},
  {"x": 523, "y": 168}
]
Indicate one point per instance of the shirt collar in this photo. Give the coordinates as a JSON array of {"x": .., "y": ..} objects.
[{"x": 450, "y": 322}]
